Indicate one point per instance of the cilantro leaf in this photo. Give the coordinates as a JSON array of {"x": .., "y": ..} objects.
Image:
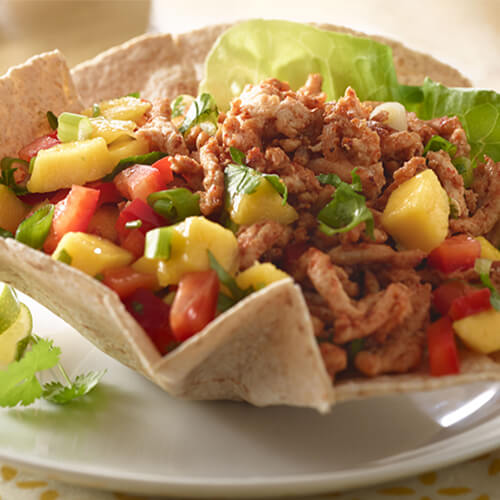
[
  {"x": 7, "y": 177},
  {"x": 180, "y": 105},
  {"x": 52, "y": 119},
  {"x": 55, "y": 392},
  {"x": 347, "y": 209},
  {"x": 203, "y": 110},
  {"x": 18, "y": 382},
  {"x": 483, "y": 267},
  {"x": 237, "y": 156},
  {"x": 278, "y": 185},
  {"x": 437, "y": 143},
  {"x": 5, "y": 234}
]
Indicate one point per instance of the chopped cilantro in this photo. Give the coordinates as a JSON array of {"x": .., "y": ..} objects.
[
  {"x": 147, "y": 159},
  {"x": 483, "y": 267},
  {"x": 52, "y": 119},
  {"x": 203, "y": 110}
]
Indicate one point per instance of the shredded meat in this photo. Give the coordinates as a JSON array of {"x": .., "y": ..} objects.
[
  {"x": 452, "y": 181},
  {"x": 488, "y": 213},
  {"x": 189, "y": 169},
  {"x": 404, "y": 346},
  {"x": 212, "y": 198},
  {"x": 257, "y": 239},
  {"x": 161, "y": 133},
  {"x": 334, "y": 357}
]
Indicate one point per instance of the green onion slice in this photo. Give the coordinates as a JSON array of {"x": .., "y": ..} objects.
[
  {"x": 134, "y": 224},
  {"x": 52, "y": 119},
  {"x": 175, "y": 204},
  {"x": 158, "y": 243},
  {"x": 73, "y": 127},
  {"x": 34, "y": 230}
]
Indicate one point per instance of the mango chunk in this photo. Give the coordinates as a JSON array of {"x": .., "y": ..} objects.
[
  {"x": 191, "y": 239},
  {"x": 111, "y": 130},
  {"x": 127, "y": 147},
  {"x": 70, "y": 163},
  {"x": 260, "y": 275},
  {"x": 480, "y": 332},
  {"x": 265, "y": 203},
  {"x": 12, "y": 209},
  {"x": 416, "y": 214},
  {"x": 90, "y": 253},
  {"x": 488, "y": 251},
  {"x": 123, "y": 108}
]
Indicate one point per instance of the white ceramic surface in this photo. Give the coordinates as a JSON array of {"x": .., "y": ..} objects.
[{"x": 130, "y": 436}]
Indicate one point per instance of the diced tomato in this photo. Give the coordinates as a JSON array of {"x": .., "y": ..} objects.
[
  {"x": 443, "y": 355},
  {"x": 164, "y": 167},
  {"x": 36, "y": 198},
  {"x": 125, "y": 280},
  {"x": 59, "y": 195},
  {"x": 195, "y": 303},
  {"x": 103, "y": 223},
  {"x": 139, "y": 181},
  {"x": 445, "y": 294},
  {"x": 153, "y": 315},
  {"x": 474, "y": 302},
  {"x": 138, "y": 210},
  {"x": 107, "y": 192},
  {"x": 32, "y": 149},
  {"x": 73, "y": 213},
  {"x": 134, "y": 242},
  {"x": 455, "y": 254}
]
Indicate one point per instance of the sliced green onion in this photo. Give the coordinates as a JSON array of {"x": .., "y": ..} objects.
[
  {"x": 52, "y": 119},
  {"x": 73, "y": 127},
  {"x": 158, "y": 243},
  {"x": 137, "y": 95},
  {"x": 65, "y": 257},
  {"x": 134, "y": 224},
  {"x": 96, "y": 110},
  {"x": 175, "y": 204},
  {"x": 7, "y": 174},
  {"x": 32, "y": 164},
  {"x": 34, "y": 230},
  {"x": 99, "y": 277}
]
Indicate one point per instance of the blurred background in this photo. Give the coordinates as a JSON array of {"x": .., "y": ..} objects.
[{"x": 463, "y": 33}]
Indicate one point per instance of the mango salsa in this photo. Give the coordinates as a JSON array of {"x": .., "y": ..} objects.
[
  {"x": 127, "y": 147},
  {"x": 70, "y": 163},
  {"x": 260, "y": 275},
  {"x": 12, "y": 209},
  {"x": 416, "y": 214},
  {"x": 488, "y": 251},
  {"x": 191, "y": 239},
  {"x": 123, "y": 108},
  {"x": 480, "y": 332},
  {"x": 90, "y": 253},
  {"x": 263, "y": 204},
  {"x": 112, "y": 130}
]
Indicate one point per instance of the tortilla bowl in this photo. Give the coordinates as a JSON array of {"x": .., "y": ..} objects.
[{"x": 263, "y": 350}]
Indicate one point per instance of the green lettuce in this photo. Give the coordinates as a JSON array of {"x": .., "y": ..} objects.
[{"x": 258, "y": 49}]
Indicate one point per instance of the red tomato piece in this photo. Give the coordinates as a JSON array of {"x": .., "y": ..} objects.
[
  {"x": 445, "y": 294},
  {"x": 455, "y": 254},
  {"x": 443, "y": 355},
  {"x": 474, "y": 302},
  {"x": 153, "y": 315},
  {"x": 107, "y": 192},
  {"x": 125, "y": 280},
  {"x": 195, "y": 303},
  {"x": 134, "y": 242},
  {"x": 164, "y": 167},
  {"x": 32, "y": 149},
  {"x": 138, "y": 210},
  {"x": 59, "y": 195},
  {"x": 139, "y": 181},
  {"x": 73, "y": 213}
]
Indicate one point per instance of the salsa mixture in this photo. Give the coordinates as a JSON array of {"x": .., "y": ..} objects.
[{"x": 385, "y": 220}]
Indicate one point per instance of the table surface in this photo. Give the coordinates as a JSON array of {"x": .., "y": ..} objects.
[{"x": 462, "y": 33}]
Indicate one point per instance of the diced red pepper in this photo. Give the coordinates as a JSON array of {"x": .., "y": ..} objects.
[
  {"x": 195, "y": 303},
  {"x": 443, "y": 355},
  {"x": 455, "y": 254},
  {"x": 32, "y": 149},
  {"x": 474, "y": 302},
  {"x": 445, "y": 294},
  {"x": 125, "y": 280},
  {"x": 134, "y": 242},
  {"x": 139, "y": 181},
  {"x": 153, "y": 315},
  {"x": 71, "y": 214},
  {"x": 138, "y": 210},
  {"x": 165, "y": 168},
  {"x": 107, "y": 192}
]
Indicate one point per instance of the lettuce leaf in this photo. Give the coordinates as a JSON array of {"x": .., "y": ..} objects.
[{"x": 258, "y": 49}]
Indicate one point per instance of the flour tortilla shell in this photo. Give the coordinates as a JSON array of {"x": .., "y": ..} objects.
[
  {"x": 27, "y": 92},
  {"x": 161, "y": 65}
]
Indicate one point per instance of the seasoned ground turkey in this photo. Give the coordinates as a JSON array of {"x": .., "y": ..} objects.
[{"x": 361, "y": 291}]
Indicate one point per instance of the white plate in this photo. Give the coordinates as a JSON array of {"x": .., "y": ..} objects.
[{"x": 129, "y": 435}]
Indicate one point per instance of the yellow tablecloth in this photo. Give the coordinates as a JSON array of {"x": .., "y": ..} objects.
[{"x": 477, "y": 479}]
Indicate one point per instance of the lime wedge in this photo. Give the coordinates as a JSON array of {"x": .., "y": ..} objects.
[
  {"x": 9, "y": 307},
  {"x": 19, "y": 330}
]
